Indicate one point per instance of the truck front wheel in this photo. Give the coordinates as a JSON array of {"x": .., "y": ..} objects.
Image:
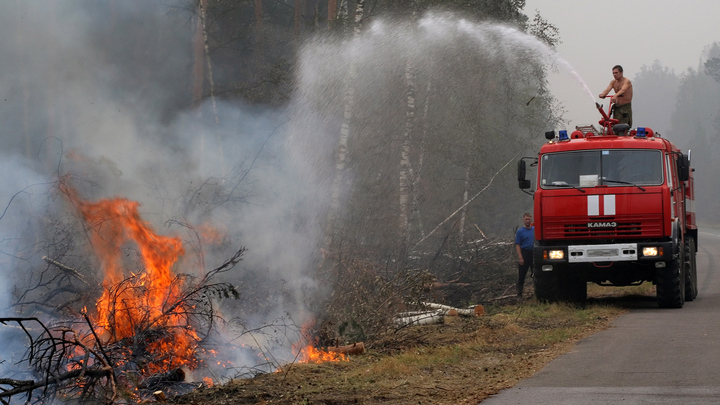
[
  {"x": 691, "y": 289},
  {"x": 670, "y": 283},
  {"x": 546, "y": 284},
  {"x": 573, "y": 286}
]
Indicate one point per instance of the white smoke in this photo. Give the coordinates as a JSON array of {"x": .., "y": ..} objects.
[{"x": 97, "y": 92}]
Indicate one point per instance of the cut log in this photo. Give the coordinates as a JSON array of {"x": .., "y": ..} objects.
[
  {"x": 476, "y": 310},
  {"x": 353, "y": 349},
  {"x": 414, "y": 313},
  {"x": 159, "y": 396},
  {"x": 427, "y": 318}
]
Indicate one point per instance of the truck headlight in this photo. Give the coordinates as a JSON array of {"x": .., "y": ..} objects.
[
  {"x": 651, "y": 251},
  {"x": 556, "y": 254}
]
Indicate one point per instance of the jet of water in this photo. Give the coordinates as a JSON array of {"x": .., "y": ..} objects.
[{"x": 500, "y": 39}]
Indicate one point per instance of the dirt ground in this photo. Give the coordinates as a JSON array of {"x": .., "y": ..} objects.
[{"x": 463, "y": 360}]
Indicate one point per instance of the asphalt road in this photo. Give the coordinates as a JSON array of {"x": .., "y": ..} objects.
[{"x": 648, "y": 356}]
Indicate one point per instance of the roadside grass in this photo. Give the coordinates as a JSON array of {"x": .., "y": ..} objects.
[{"x": 463, "y": 360}]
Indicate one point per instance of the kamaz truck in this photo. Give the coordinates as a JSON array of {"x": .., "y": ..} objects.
[{"x": 612, "y": 206}]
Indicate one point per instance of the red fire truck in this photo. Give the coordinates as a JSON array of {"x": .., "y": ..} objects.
[{"x": 613, "y": 206}]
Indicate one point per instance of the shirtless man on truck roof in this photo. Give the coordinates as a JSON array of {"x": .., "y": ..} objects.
[{"x": 622, "y": 111}]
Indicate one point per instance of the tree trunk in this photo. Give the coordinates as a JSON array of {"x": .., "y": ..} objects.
[
  {"x": 27, "y": 136},
  {"x": 463, "y": 213},
  {"x": 343, "y": 14},
  {"x": 198, "y": 52},
  {"x": 405, "y": 167},
  {"x": 345, "y": 131},
  {"x": 359, "y": 13},
  {"x": 297, "y": 19},
  {"x": 202, "y": 57},
  {"x": 332, "y": 11},
  {"x": 52, "y": 82},
  {"x": 417, "y": 173}
]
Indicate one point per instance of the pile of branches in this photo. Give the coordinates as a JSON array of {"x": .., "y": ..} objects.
[
  {"x": 77, "y": 361},
  {"x": 475, "y": 272},
  {"x": 366, "y": 295},
  {"x": 365, "y": 299}
]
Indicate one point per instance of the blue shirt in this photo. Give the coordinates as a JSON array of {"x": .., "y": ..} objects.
[{"x": 525, "y": 237}]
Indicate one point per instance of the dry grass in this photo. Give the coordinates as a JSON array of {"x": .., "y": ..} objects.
[{"x": 463, "y": 360}]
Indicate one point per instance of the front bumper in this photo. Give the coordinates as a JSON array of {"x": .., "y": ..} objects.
[{"x": 613, "y": 252}]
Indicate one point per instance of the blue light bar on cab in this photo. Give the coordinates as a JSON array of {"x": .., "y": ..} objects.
[
  {"x": 562, "y": 135},
  {"x": 641, "y": 132}
]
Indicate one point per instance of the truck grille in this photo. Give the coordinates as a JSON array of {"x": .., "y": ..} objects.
[{"x": 574, "y": 228}]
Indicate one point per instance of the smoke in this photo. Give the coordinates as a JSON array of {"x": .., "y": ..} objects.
[{"x": 98, "y": 94}]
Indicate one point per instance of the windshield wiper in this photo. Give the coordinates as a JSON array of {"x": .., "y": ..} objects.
[
  {"x": 564, "y": 184},
  {"x": 622, "y": 182}
]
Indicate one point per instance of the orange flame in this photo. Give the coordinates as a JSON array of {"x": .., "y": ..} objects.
[
  {"x": 310, "y": 354},
  {"x": 143, "y": 300}
]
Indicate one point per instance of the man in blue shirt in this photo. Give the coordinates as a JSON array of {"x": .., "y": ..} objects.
[{"x": 524, "y": 241}]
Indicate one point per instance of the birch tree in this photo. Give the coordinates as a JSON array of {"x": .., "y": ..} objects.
[{"x": 345, "y": 129}]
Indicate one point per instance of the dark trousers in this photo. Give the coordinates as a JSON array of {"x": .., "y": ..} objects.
[{"x": 523, "y": 269}]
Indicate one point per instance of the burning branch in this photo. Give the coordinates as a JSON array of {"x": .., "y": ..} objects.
[
  {"x": 90, "y": 361},
  {"x": 147, "y": 323}
]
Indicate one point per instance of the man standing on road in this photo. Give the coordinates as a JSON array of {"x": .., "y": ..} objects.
[
  {"x": 524, "y": 241},
  {"x": 622, "y": 111}
]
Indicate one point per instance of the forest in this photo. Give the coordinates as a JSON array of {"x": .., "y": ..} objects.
[{"x": 254, "y": 174}]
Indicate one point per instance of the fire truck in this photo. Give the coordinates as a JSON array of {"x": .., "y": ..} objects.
[{"x": 612, "y": 206}]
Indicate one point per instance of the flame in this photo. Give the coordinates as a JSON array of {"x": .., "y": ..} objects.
[
  {"x": 310, "y": 354},
  {"x": 144, "y": 300}
]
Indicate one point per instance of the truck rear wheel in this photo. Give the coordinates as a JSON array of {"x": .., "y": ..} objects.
[
  {"x": 691, "y": 289},
  {"x": 670, "y": 282}
]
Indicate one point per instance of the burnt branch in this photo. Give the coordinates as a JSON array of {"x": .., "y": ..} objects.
[
  {"x": 68, "y": 270},
  {"x": 53, "y": 356},
  {"x": 144, "y": 332}
]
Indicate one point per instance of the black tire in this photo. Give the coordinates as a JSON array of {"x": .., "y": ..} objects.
[
  {"x": 691, "y": 288},
  {"x": 670, "y": 282},
  {"x": 573, "y": 287},
  {"x": 546, "y": 285}
]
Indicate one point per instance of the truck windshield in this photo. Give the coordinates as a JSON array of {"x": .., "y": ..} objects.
[{"x": 613, "y": 167}]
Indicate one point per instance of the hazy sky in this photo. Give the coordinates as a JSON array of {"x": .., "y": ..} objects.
[{"x": 598, "y": 34}]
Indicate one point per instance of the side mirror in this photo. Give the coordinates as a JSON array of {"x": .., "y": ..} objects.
[
  {"x": 522, "y": 182},
  {"x": 683, "y": 167}
]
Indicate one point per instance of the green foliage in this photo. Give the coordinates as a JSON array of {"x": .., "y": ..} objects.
[
  {"x": 544, "y": 30},
  {"x": 712, "y": 68}
]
